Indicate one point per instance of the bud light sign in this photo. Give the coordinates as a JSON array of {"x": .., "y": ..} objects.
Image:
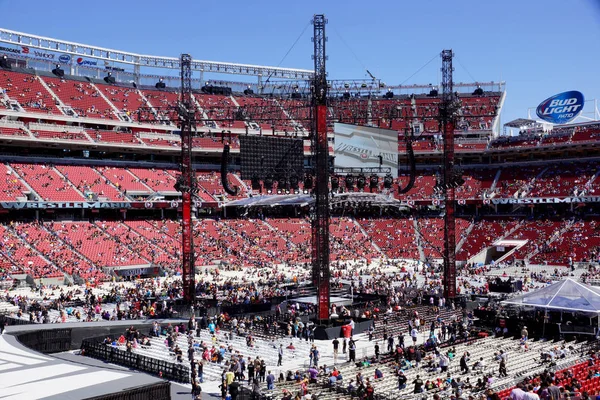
[{"x": 561, "y": 108}]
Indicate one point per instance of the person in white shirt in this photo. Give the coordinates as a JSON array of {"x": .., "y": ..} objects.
[{"x": 518, "y": 393}]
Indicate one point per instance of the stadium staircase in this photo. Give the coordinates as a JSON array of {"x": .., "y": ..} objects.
[
  {"x": 362, "y": 230},
  {"x": 23, "y": 181},
  {"x": 147, "y": 103},
  {"x": 463, "y": 239},
  {"x": 419, "y": 241},
  {"x": 121, "y": 115},
  {"x": 62, "y": 107},
  {"x": 555, "y": 236},
  {"x": 70, "y": 246},
  {"x": 495, "y": 182},
  {"x": 68, "y": 181},
  {"x": 201, "y": 110},
  {"x": 285, "y": 112}
]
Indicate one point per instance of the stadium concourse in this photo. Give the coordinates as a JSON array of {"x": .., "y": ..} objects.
[{"x": 91, "y": 238}]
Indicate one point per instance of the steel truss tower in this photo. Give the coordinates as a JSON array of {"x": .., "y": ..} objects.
[
  {"x": 447, "y": 114},
  {"x": 320, "y": 216},
  {"x": 187, "y": 183}
]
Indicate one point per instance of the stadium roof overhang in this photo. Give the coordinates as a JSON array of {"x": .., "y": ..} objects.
[
  {"x": 141, "y": 60},
  {"x": 337, "y": 200},
  {"x": 520, "y": 123}
]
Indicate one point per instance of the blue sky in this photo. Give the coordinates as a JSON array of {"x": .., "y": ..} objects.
[{"x": 539, "y": 47}]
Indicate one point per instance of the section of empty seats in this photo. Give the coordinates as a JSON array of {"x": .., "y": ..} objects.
[
  {"x": 215, "y": 242},
  {"x": 159, "y": 180},
  {"x": 125, "y": 235},
  {"x": 217, "y": 108},
  {"x": 564, "y": 180},
  {"x": 89, "y": 182},
  {"x": 209, "y": 143},
  {"x": 57, "y": 251},
  {"x": 47, "y": 182},
  {"x": 64, "y": 135},
  {"x": 113, "y": 136},
  {"x": 82, "y": 97},
  {"x": 477, "y": 183},
  {"x": 270, "y": 113},
  {"x": 123, "y": 180},
  {"x": 294, "y": 230},
  {"x": 485, "y": 232},
  {"x": 101, "y": 248},
  {"x": 537, "y": 233},
  {"x": 22, "y": 256},
  {"x": 261, "y": 242},
  {"x": 422, "y": 189},
  {"x": 432, "y": 237},
  {"x": 157, "y": 233},
  {"x": 395, "y": 237},
  {"x": 12, "y": 131},
  {"x": 11, "y": 187},
  {"x": 211, "y": 184},
  {"x": 516, "y": 182},
  {"x": 348, "y": 241},
  {"x": 172, "y": 141},
  {"x": 28, "y": 92},
  {"x": 578, "y": 243},
  {"x": 127, "y": 100}
]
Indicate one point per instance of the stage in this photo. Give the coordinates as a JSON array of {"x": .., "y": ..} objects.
[
  {"x": 27, "y": 374},
  {"x": 338, "y": 301}
]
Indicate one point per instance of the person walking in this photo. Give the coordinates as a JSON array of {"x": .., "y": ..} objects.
[{"x": 280, "y": 355}]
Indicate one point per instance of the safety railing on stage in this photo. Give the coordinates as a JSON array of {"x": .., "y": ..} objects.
[
  {"x": 95, "y": 348},
  {"x": 158, "y": 391}
]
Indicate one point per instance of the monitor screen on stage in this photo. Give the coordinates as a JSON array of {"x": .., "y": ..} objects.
[{"x": 365, "y": 147}]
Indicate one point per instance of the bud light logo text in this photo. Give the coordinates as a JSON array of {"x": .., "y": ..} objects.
[
  {"x": 561, "y": 108},
  {"x": 64, "y": 58},
  {"x": 81, "y": 61}
]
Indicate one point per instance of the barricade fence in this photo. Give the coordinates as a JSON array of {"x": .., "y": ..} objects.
[
  {"x": 95, "y": 348},
  {"x": 158, "y": 391}
]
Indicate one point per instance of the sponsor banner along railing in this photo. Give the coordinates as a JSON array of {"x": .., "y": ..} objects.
[
  {"x": 132, "y": 205},
  {"x": 118, "y": 205}
]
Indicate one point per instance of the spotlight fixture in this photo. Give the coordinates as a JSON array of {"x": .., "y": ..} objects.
[
  {"x": 335, "y": 183},
  {"x": 361, "y": 181},
  {"x": 255, "y": 182},
  {"x": 308, "y": 183},
  {"x": 388, "y": 181},
  {"x": 373, "y": 182},
  {"x": 350, "y": 183},
  {"x": 109, "y": 78},
  {"x": 160, "y": 84},
  {"x": 269, "y": 184}
]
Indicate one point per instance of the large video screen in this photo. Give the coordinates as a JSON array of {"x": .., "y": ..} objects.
[
  {"x": 262, "y": 156},
  {"x": 360, "y": 147}
]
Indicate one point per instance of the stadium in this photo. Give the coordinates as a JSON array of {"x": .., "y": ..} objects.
[{"x": 167, "y": 234}]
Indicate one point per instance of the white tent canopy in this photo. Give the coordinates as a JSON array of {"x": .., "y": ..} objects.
[{"x": 568, "y": 295}]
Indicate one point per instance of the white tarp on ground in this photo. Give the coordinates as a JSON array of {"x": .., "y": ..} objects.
[{"x": 568, "y": 295}]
